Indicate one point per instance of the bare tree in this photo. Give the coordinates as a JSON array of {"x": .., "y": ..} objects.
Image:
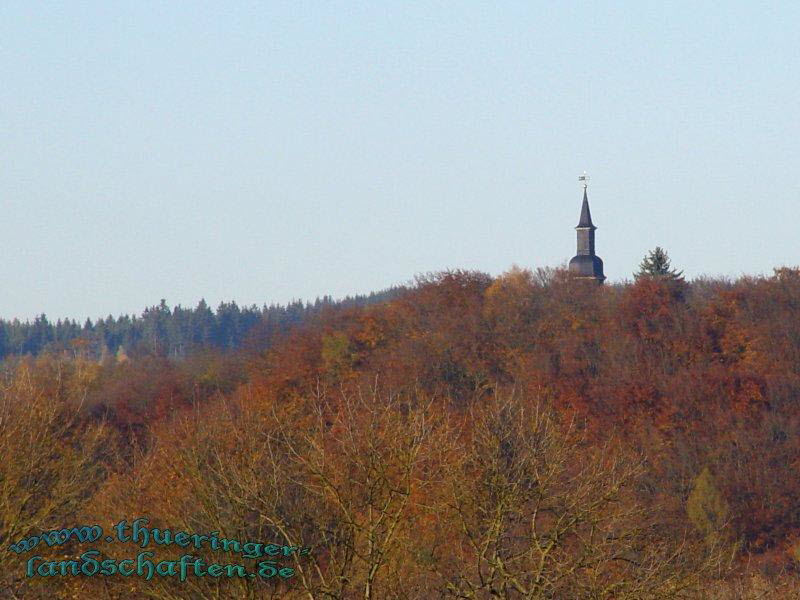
[
  {"x": 49, "y": 467},
  {"x": 543, "y": 514}
]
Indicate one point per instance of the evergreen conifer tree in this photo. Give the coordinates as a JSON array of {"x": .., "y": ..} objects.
[{"x": 657, "y": 264}]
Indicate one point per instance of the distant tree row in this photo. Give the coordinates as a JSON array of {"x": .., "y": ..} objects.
[
  {"x": 172, "y": 332},
  {"x": 177, "y": 331}
]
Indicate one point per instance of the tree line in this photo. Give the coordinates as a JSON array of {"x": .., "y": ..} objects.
[{"x": 160, "y": 330}]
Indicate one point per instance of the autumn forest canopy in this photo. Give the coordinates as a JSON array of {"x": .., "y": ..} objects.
[{"x": 465, "y": 436}]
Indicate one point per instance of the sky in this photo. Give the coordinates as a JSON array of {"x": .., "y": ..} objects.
[{"x": 271, "y": 151}]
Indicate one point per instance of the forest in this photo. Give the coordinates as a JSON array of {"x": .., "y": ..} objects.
[
  {"x": 524, "y": 436},
  {"x": 165, "y": 331}
]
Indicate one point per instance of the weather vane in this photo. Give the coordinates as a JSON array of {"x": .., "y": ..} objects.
[{"x": 584, "y": 179}]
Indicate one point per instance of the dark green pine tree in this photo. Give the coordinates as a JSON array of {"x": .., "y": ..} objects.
[
  {"x": 155, "y": 320},
  {"x": 657, "y": 264},
  {"x": 202, "y": 324}
]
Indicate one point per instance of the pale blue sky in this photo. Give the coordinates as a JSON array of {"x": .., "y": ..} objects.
[{"x": 261, "y": 152}]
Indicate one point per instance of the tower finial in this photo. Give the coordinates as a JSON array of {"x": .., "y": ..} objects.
[{"x": 584, "y": 179}]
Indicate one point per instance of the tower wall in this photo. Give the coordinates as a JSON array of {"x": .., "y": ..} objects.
[{"x": 586, "y": 241}]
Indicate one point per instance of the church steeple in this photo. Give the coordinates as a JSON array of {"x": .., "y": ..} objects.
[
  {"x": 586, "y": 264},
  {"x": 586, "y": 215}
]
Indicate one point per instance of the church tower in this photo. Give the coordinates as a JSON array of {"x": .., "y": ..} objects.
[{"x": 586, "y": 264}]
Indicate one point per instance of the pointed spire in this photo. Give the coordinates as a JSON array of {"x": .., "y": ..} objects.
[
  {"x": 586, "y": 216},
  {"x": 586, "y": 264}
]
